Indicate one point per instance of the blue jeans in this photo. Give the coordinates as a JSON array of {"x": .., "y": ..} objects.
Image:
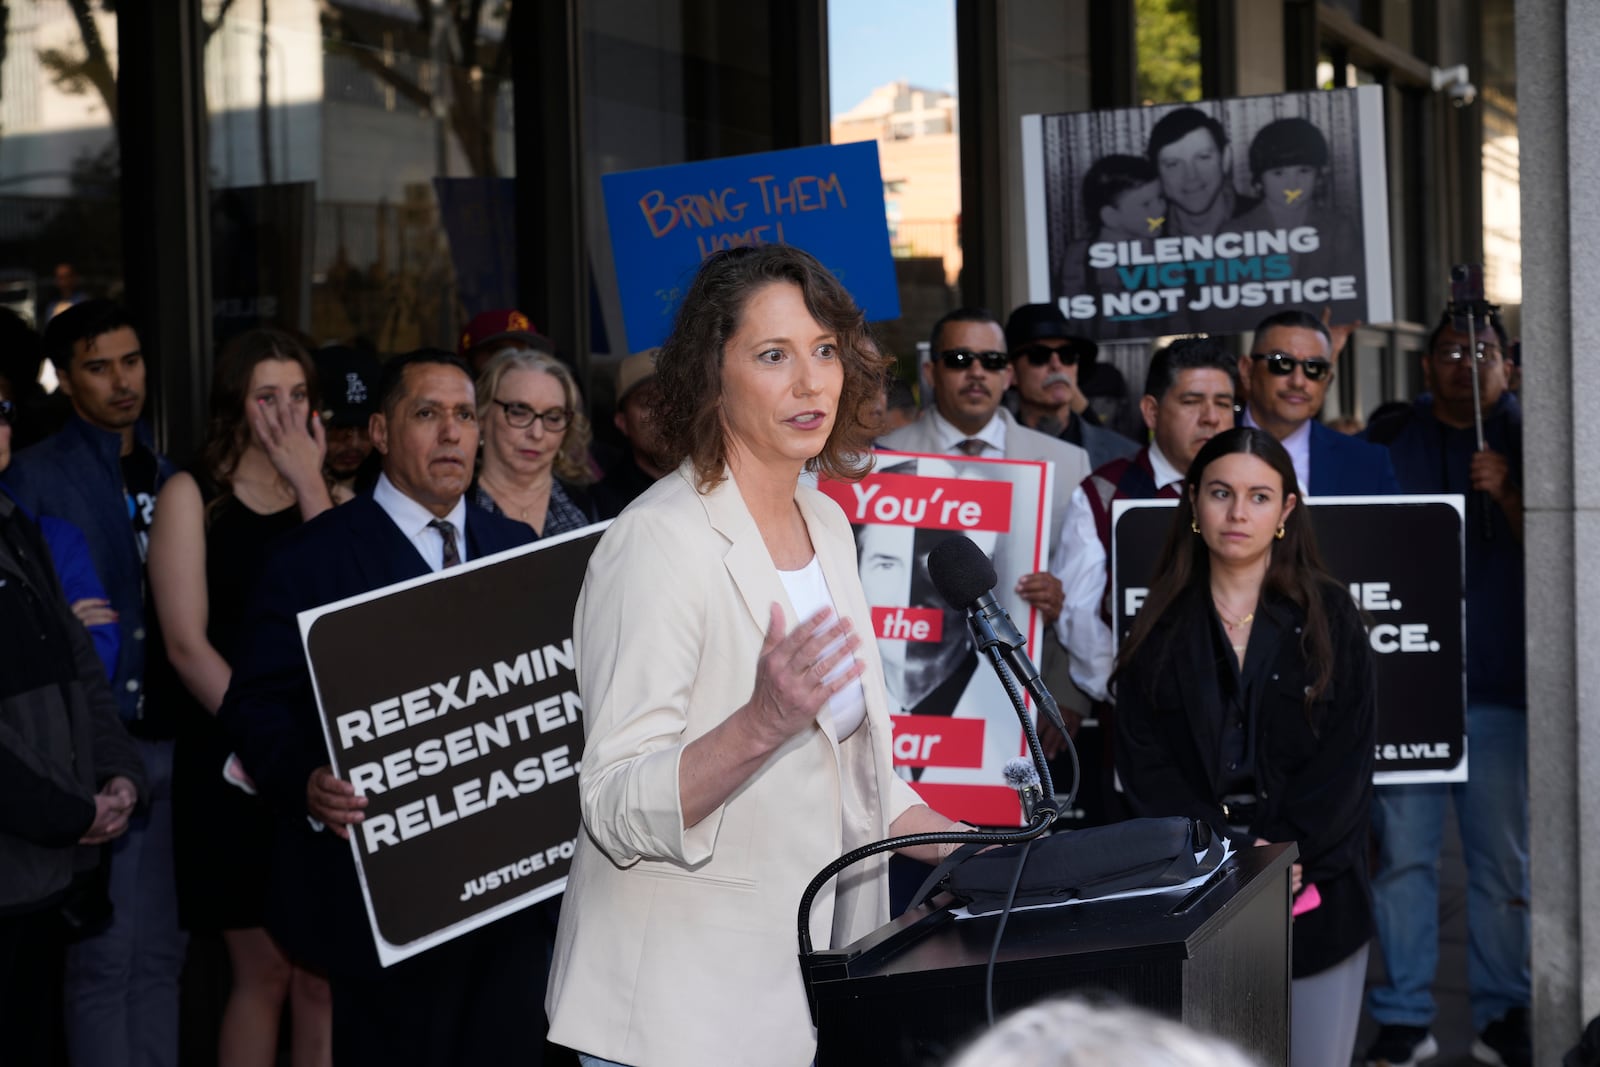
[
  {"x": 122, "y": 983},
  {"x": 1492, "y": 813}
]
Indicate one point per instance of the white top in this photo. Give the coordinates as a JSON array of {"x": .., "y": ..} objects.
[
  {"x": 1091, "y": 647},
  {"x": 993, "y": 435},
  {"x": 808, "y": 593},
  {"x": 413, "y": 520},
  {"x": 1298, "y": 445}
]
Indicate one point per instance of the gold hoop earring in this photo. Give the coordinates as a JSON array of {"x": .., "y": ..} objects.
[
  {"x": 1194, "y": 525},
  {"x": 1279, "y": 534}
]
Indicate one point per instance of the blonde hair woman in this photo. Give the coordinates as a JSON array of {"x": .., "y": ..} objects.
[{"x": 535, "y": 459}]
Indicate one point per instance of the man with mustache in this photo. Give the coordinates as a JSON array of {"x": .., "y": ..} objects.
[
  {"x": 101, "y": 473},
  {"x": 1286, "y": 376},
  {"x": 1047, "y": 361},
  {"x": 969, "y": 373},
  {"x": 480, "y": 994}
]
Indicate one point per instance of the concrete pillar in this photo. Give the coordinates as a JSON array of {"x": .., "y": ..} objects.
[{"x": 1558, "y": 98}]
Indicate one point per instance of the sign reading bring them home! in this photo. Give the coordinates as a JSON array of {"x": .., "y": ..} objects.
[{"x": 826, "y": 199}]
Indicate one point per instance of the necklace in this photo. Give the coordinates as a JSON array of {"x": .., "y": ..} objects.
[{"x": 1232, "y": 623}]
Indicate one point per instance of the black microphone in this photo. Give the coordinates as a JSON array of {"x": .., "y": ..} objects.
[{"x": 965, "y": 578}]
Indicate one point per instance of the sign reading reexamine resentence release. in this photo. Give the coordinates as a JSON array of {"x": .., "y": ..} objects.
[
  {"x": 954, "y": 727},
  {"x": 451, "y": 703},
  {"x": 1150, "y": 221},
  {"x": 1403, "y": 561},
  {"x": 826, "y": 199}
]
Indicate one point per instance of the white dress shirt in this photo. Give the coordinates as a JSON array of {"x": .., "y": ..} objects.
[
  {"x": 413, "y": 520},
  {"x": 1298, "y": 445},
  {"x": 1082, "y": 563},
  {"x": 992, "y": 435}
]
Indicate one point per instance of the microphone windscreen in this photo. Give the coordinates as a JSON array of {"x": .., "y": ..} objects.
[
  {"x": 1020, "y": 772},
  {"x": 960, "y": 571}
]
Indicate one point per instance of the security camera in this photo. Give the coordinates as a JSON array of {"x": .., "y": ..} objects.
[{"x": 1457, "y": 83}]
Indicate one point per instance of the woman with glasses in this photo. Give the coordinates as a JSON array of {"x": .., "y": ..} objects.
[
  {"x": 535, "y": 442},
  {"x": 1245, "y": 697}
]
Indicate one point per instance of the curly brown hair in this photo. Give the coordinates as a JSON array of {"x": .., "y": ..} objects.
[{"x": 689, "y": 365}]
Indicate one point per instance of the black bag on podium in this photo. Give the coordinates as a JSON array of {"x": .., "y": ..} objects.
[{"x": 1079, "y": 864}]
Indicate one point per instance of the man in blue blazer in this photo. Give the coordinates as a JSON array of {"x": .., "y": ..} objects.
[
  {"x": 474, "y": 999},
  {"x": 1286, "y": 377}
]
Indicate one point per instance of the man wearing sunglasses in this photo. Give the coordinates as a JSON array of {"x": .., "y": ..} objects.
[
  {"x": 1286, "y": 375},
  {"x": 1047, "y": 362},
  {"x": 970, "y": 371}
]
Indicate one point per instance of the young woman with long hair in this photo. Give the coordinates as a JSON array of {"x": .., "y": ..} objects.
[
  {"x": 259, "y": 475},
  {"x": 1245, "y": 698}
]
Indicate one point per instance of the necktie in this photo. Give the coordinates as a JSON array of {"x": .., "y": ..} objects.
[
  {"x": 447, "y": 534},
  {"x": 971, "y": 446}
]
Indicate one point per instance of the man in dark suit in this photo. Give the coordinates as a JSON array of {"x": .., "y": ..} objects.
[
  {"x": 1286, "y": 377},
  {"x": 474, "y": 999}
]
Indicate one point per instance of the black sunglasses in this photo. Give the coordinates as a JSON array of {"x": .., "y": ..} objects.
[
  {"x": 1282, "y": 364},
  {"x": 1039, "y": 355},
  {"x": 7, "y": 409},
  {"x": 961, "y": 359}
]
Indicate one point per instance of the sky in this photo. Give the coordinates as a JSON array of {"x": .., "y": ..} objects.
[{"x": 871, "y": 42}]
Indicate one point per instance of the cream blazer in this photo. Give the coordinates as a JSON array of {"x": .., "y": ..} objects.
[{"x": 677, "y": 948}]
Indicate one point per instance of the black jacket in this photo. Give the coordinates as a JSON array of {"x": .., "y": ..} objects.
[
  {"x": 1314, "y": 764},
  {"x": 60, "y": 735}
]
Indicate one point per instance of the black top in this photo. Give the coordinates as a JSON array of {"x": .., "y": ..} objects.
[
  {"x": 223, "y": 836},
  {"x": 1313, "y": 762}
]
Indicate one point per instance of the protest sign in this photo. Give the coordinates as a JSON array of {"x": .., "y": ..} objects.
[
  {"x": 450, "y": 702},
  {"x": 826, "y": 199},
  {"x": 1402, "y": 558},
  {"x": 954, "y": 725},
  {"x": 1150, "y": 221}
]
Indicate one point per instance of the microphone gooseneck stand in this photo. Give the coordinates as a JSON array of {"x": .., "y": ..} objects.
[{"x": 1043, "y": 816}]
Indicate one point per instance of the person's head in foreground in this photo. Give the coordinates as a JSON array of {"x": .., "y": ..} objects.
[{"x": 1077, "y": 1033}]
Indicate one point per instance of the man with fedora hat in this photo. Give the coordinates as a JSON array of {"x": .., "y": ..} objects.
[{"x": 1047, "y": 362}]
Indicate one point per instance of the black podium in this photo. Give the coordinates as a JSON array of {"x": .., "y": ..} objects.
[{"x": 1215, "y": 958}]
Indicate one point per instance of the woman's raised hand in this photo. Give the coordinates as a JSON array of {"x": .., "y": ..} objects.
[
  {"x": 793, "y": 682},
  {"x": 295, "y": 448}
]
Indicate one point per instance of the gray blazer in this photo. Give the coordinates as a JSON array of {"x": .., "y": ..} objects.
[{"x": 1071, "y": 465}]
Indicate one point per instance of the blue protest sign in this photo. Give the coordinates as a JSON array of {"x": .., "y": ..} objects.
[{"x": 826, "y": 199}]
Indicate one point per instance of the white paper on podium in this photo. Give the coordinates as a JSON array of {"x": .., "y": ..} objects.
[{"x": 1194, "y": 883}]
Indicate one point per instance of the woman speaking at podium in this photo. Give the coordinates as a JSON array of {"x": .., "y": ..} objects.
[
  {"x": 737, "y": 731},
  {"x": 1245, "y": 698}
]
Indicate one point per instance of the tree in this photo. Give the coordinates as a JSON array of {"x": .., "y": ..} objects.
[{"x": 1168, "y": 37}]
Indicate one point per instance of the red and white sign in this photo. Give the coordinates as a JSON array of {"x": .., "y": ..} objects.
[
  {"x": 954, "y": 724},
  {"x": 926, "y": 503},
  {"x": 908, "y": 624}
]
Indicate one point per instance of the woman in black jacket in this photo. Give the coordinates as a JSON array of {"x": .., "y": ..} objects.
[{"x": 1245, "y": 698}]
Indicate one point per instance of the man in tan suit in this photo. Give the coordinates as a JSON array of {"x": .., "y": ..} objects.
[{"x": 969, "y": 373}]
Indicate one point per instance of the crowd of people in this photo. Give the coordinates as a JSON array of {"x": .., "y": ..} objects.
[{"x": 166, "y": 780}]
